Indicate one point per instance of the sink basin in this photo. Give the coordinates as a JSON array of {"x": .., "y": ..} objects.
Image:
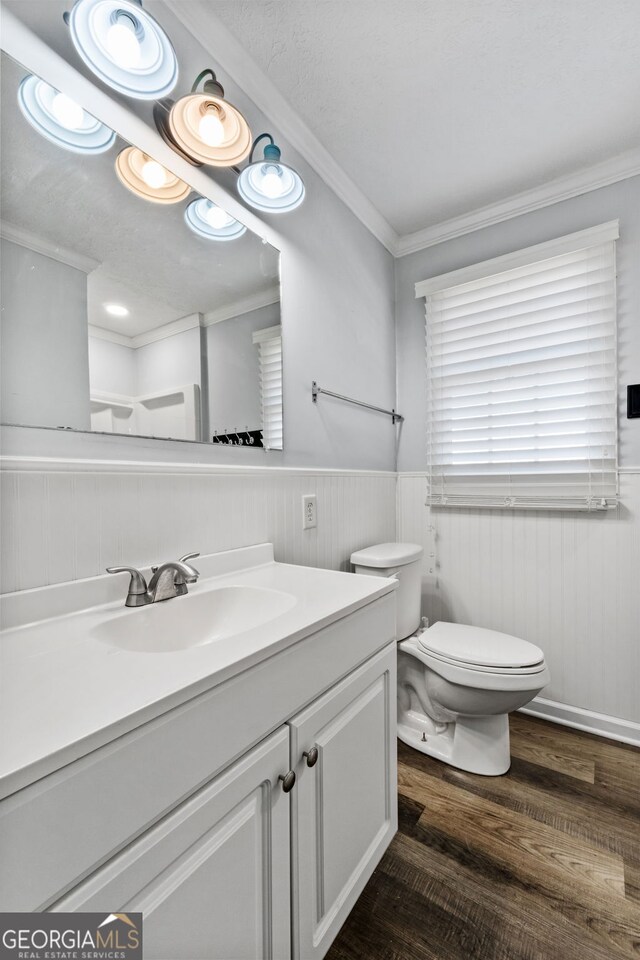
[{"x": 195, "y": 620}]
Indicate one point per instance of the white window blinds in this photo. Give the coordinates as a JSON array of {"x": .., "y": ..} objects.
[
  {"x": 521, "y": 379},
  {"x": 269, "y": 342}
]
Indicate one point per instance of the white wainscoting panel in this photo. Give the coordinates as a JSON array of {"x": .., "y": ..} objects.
[
  {"x": 67, "y": 520},
  {"x": 569, "y": 582}
]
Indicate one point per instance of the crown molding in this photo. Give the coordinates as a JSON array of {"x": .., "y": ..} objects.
[
  {"x": 101, "y": 333},
  {"x": 245, "y": 305},
  {"x": 201, "y": 21},
  {"x": 621, "y": 167},
  {"x": 190, "y": 322},
  {"x": 170, "y": 329},
  {"x": 151, "y": 336},
  {"x": 581, "y": 240},
  {"x": 31, "y": 241}
]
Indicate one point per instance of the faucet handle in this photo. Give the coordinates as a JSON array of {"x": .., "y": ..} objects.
[
  {"x": 189, "y": 556},
  {"x": 137, "y": 584}
]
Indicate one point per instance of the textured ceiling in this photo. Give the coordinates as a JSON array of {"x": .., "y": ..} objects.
[
  {"x": 438, "y": 107},
  {"x": 148, "y": 259}
]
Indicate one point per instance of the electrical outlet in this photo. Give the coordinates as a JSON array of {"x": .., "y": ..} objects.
[{"x": 309, "y": 512}]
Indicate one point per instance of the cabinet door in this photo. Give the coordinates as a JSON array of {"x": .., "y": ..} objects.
[
  {"x": 344, "y": 809},
  {"x": 212, "y": 878}
]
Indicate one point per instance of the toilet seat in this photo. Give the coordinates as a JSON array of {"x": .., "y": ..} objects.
[
  {"x": 470, "y": 675},
  {"x": 481, "y": 650},
  {"x": 475, "y": 668}
]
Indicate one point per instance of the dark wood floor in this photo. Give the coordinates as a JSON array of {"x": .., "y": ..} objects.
[{"x": 540, "y": 864}]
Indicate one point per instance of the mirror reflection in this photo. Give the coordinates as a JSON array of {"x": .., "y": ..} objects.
[{"x": 130, "y": 305}]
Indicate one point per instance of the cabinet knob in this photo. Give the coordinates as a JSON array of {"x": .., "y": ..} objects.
[
  {"x": 288, "y": 780},
  {"x": 312, "y": 756}
]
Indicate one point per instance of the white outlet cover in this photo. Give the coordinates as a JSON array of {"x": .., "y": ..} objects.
[{"x": 309, "y": 511}]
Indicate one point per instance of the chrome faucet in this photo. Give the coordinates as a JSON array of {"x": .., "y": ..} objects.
[{"x": 169, "y": 580}]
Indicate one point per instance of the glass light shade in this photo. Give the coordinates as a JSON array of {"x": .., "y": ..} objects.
[
  {"x": 210, "y": 130},
  {"x": 60, "y": 119},
  {"x": 212, "y": 222},
  {"x": 148, "y": 179},
  {"x": 271, "y": 186},
  {"x": 125, "y": 47}
]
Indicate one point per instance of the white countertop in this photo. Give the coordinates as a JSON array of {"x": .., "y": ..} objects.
[{"x": 64, "y": 693}]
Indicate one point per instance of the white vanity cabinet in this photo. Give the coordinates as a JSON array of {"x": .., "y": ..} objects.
[
  {"x": 212, "y": 878},
  {"x": 343, "y": 806},
  {"x": 185, "y": 818},
  {"x": 243, "y": 869}
]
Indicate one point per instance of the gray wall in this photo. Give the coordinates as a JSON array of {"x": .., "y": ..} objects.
[
  {"x": 565, "y": 581},
  {"x": 45, "y": 374},
  {"x": 618, "y": 201},
  {"x": 172, "y": 362},
  {"x": 112, "y": 367}
]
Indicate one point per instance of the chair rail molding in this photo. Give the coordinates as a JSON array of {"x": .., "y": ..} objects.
[{"x": 17, "y": 464}]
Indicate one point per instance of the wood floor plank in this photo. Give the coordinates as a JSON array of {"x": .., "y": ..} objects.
[
  {"x": 547, "y": 797},
  {"x": 632, "y": 880},
  {"x": 539, "y": 864},
  {"x": 611, "y": 807},
  {"x": 510, "y": 835},
  {"x": 543, "y": 755},
  {"x": 602, "y": 921},
  {"x": 620, "y": 779},
  {"x": 527, "y": 925},
  {"x": 576, "y": 742}
]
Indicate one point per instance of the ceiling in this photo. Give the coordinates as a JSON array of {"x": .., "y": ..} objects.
[
  {"x": 137, "y": 254},
  {"x": 436, "y": 108},
  {"x": 428, "y": 117}
]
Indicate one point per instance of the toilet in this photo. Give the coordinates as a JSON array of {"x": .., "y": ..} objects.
[{"x": 457, "y": 684}]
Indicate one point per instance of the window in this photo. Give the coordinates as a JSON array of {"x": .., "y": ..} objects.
[
  {"x": 269, "y": 342},
  {"x": 521, "y": 378}
]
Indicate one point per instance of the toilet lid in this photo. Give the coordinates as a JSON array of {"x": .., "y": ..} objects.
[{"x": 475, "y": 645}]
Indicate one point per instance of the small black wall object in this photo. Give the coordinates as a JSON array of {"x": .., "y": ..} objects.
[{"x": 633, "y": 401}]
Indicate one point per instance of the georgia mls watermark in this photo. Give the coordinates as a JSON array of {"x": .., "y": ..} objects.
[{"x": 70, "y": 936}]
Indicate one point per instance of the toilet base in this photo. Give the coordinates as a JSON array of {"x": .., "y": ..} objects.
[{"x": 475, "y": 744}]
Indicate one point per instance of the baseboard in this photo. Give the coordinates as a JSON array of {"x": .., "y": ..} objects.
[{"x": 598, "y": 723}]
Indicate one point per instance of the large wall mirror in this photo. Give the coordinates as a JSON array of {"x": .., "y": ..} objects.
[{"x": 121, "y": 315}]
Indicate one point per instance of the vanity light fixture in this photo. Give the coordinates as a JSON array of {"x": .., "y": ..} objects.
[
  {"x": 204, "y": 128},
  {"x": 210, "y": 221},
  {"x": 124, "y": 46},
  {"x": 269, "y": 184},
  {"x": 60, "y": 119},
  {"x": 148, "y": 179}
]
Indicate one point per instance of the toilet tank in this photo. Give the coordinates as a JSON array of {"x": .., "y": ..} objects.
[{"x": 400, "y": 560}]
